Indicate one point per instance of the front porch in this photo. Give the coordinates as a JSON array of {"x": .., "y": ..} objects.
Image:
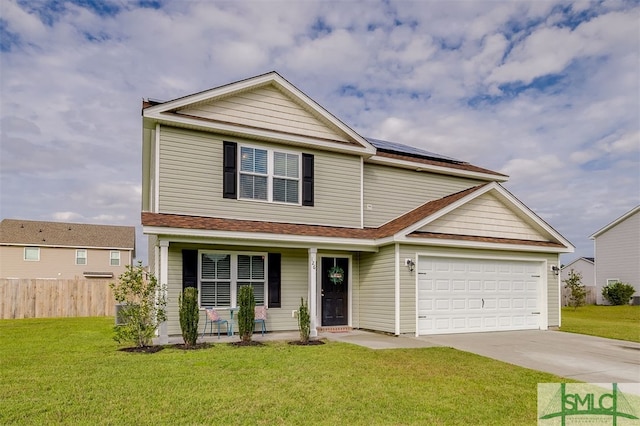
[{"x": 327, "y": 280}]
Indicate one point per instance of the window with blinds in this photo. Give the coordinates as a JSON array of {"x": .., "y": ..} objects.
[
  {"x": 215, "y": 280},
  {"x": 222, "y": 274},
  {"x": 253, "y": 173},
  {"x": 251, "y": 273},
  {"x": 268, "y": 175},
  {"x": 286, "y": 177}
]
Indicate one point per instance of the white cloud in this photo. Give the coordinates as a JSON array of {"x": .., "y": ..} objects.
[{"x": 430, "y": 74}]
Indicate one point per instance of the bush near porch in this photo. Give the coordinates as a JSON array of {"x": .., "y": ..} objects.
[
  {"x": 69, "y": 371},
  {"x": 614, "y": 322}
]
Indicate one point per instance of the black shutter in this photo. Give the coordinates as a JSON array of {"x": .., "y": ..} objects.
[
  {"x": 274, "y": 279},
  {"x": 189, "y": 269},
  {"x": 230, "y": 173},
  {"x": 307, "y": 180}
]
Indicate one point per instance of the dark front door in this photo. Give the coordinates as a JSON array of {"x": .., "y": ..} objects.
[{"x": 335, "y": 294}]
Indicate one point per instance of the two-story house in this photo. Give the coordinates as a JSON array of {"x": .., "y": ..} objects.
[
  {"x": 254, "y": 183},
  {"x": 617, "y": 250},
  {"x": 61, "y": 250}
]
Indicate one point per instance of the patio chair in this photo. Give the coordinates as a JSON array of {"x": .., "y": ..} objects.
[
  {"x": 261, "y": 317},
  {"x": 212, "y": 318}
]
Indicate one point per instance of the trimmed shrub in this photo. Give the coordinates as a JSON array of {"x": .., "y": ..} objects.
[
  {"x": 304, "y": 321},
  {"x": 144, "y": 306},
  {"x": 618, "y": 293},
  {"x": 189, "y": 315},
  {"x": 246, "y": 313},
  {"x": 578, "y": 291}
]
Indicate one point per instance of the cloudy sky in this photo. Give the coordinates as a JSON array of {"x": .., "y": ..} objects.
[{"x": 547, "y": 92}]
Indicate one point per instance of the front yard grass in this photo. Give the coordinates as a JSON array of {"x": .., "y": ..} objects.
[
  {"x": 613, "y": 322},
  {"x": 68, "y": 371}
]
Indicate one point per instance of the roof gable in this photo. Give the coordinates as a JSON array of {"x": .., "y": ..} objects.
[
  {"x": 616, "y": 222},
  {"x": 62, "y": 234},
  {"x": 487, "y": 212},
  {"x": 267, "y": 107}
]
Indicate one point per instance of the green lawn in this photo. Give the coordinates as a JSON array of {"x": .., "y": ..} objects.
[
  {"x": 614, "y": 322},
  {"x": 68, "y": 371}
]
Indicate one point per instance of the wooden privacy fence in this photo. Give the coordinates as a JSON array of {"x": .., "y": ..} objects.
[
  {"x": 33, "y": 298},
  {"x": 589, "y": 300}
]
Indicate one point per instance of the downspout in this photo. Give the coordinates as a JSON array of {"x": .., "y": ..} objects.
[
  {"x": 156, "y": 172},
  {"x": 361, "y": 192},
  {"x": 397, "y": 289}
]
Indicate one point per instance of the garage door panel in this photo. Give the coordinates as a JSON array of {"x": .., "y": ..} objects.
[
  {"x": 459, "y": 304},
  {"x": 464, "y": 295}
]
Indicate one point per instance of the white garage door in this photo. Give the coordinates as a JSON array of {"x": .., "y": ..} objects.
[{"x": 460, "y": 295}]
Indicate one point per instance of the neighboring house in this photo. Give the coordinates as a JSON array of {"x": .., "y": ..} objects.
[
  {"x": 254, "y": 183},
  {"x": 617, "y": 251},
  {"x": 36, "y": 249},
  {"x": 583, "y": 265}
]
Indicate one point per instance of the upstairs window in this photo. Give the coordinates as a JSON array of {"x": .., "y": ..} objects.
[
  {"x": 267, "y": 175},
  {"x": 114, "y": 258},
  {"x": 286, "y": 177},
  {"x": 81, "y": 257},
  {"x": 32, "y": 253},
  {"x": 254, "y": 174},
  {"x": 275, "y": 176}
]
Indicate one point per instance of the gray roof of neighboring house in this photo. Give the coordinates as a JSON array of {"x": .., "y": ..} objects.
[{"x": 80, "y": 235}]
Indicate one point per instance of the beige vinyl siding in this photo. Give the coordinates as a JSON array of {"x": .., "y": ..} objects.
[
  {"x": 617, "y": 255},
  {"x": 191, "y": 183},
  {"x": 408, "y": 281},
  {"x": 484, "y": 216},
  {"x": 266, "y": 108},
  {"x": 391, "y": 192},
  {"x": 377, "y": 290},
  {"x": 294, "y": 285},
  {"x": 58, "y": 263}
]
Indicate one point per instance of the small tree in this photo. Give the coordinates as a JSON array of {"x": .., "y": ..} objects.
[
  {"x": 304, "y": 321},
  {"x": 618, "y": 293},
  {"x": 578, "y": 292},
  {"x": 246, "y": 313},
  {"x": 189, "y": 315},
  {"x": 144, "y": 305}
]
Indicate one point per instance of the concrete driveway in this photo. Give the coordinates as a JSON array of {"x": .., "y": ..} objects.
[{"x": 576, "y": 356}]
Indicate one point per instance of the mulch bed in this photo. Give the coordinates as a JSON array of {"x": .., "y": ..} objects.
[
  {"x": 195, "y": 347},
  {"x": 249, "y": 343},
  {"x": 143, "y": 349},
  {"x": 309, "y": 343}
]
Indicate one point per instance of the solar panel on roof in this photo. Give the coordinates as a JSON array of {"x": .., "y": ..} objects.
[{"x": 407, "y": 150}]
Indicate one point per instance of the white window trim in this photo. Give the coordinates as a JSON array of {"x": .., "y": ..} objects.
[
  {"x": 31, "y": 260},
  {"x": 234, "y": 275},
  {"x": 111, "y": 258},
  {"x": 86, "y": 257},
  {"x": 612, "y": 280},
  {"x": 270, "y": 174}
]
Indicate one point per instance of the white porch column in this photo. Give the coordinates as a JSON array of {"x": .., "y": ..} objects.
[
  {"x": 163, "y": 333},
  {"x": 313, "y": 290}
]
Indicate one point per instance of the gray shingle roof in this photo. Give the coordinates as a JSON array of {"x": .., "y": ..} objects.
[{"x": 81, "y": 235}]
